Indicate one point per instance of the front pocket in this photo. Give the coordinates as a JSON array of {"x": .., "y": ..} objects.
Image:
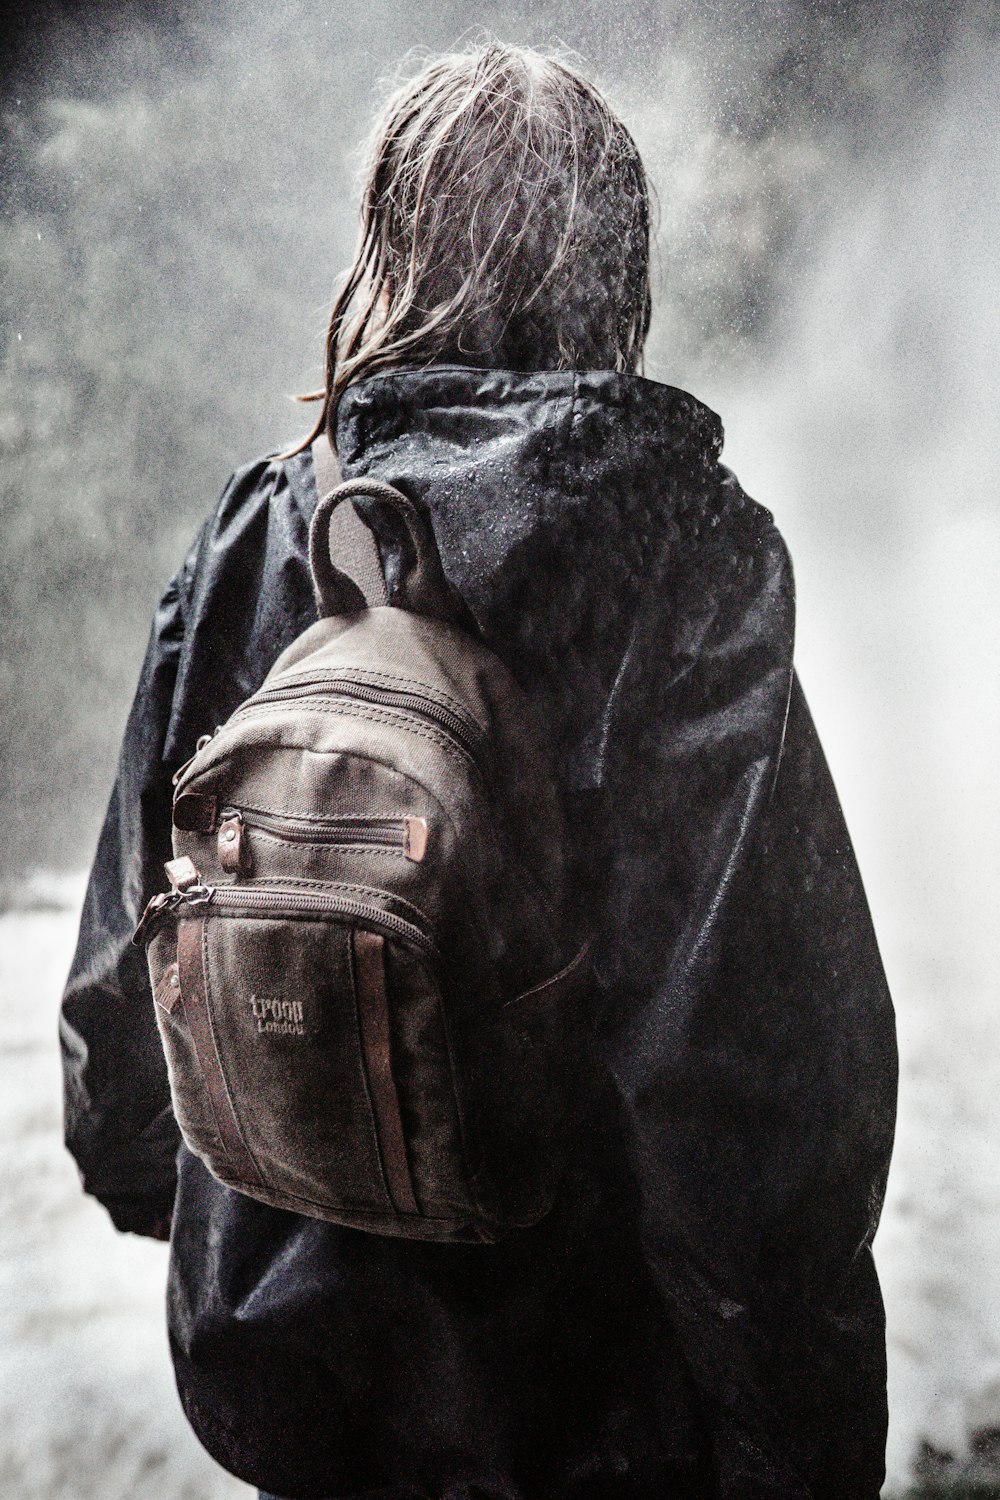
[
  {"x": 308, "y": 1055},
  {"x": 283, "y": 995},
  {"x": 313, "y": 899}
]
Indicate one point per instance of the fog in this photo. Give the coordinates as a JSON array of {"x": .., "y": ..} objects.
[{"x": 180, "y": 194}]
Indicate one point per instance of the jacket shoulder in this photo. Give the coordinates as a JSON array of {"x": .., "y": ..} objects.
[
  {"x": 250, "y": 593},
  {"x": 265, "y": 483},
  {"x": 728, "y": 564}
]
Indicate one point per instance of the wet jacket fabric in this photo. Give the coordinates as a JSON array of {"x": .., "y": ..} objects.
[{"x": 699, "y": 1313}]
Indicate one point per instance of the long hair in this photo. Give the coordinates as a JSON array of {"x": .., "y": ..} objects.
[{"x": 504, "y": 223}]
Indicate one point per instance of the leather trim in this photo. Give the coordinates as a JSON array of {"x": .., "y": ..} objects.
[
  {"x": 415, "y": 838},
  {"x": 195, "y": 812},
  {"x": 168, "y": 991},
  {"x": 373, "y": 1013},
  {"x": 182, "y": 873},
  {"x": 194, "y": 992},
  {"x": 234, "y": 848}
]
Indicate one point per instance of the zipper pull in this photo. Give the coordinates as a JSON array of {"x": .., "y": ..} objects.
[
  {"x": 156, "y": 907},
  {"x": 187, "y": 882},
  {"x": 182, "y": 873},
  {"x": 187, "y": 886}
]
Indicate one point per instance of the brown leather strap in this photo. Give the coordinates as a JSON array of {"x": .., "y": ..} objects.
[
  {"x": 194, "y": 993},
  {"x": 351, "y": 542},
  {"x": 373, "y": 1011}
]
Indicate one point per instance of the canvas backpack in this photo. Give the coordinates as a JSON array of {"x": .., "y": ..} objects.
[{"x": 367, "y": 978}]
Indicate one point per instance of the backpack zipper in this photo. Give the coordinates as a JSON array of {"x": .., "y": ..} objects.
[
  {"x": 466, "y": 736},
  {"x": 276, "y": 899},
  {"x": 408, "y": 833}
]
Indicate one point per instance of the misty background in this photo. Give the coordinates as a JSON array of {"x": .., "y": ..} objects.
[{"x": 179, "y": 194}]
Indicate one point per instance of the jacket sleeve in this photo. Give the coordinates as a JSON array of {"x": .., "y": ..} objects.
[
  {"x": 754, "y": 1044},
  {"x": 119, "y": 1124},
  {"x": 215, "y": 634}
]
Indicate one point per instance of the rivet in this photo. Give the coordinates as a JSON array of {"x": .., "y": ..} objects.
[
  {"x": 230, "y": 835},
  {"x": 175, "y": 980}
]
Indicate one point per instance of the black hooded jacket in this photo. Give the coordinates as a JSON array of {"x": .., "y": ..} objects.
[{"x": 699, "y": 1314}]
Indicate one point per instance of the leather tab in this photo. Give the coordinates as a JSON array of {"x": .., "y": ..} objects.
[
  {"x": 373, "y": 1015},
  {"x": 415, "y": 839},
  {"x": 234, "y": 847},
  {"x": 168, "y": 991},
  {"x": 195, "y": 812},
  {"x": 182, "y": 873}
]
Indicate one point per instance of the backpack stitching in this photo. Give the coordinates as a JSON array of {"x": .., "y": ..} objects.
[{"x": 380, "y": 716}]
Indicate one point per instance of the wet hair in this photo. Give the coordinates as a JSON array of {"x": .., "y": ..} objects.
[{"x": 504, "y": 224}]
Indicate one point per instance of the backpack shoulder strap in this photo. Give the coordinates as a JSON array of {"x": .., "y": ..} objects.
[{"x": 351, "y": 542}]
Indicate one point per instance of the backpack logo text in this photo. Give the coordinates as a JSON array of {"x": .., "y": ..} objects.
[{"x": 283, "y": 1017}]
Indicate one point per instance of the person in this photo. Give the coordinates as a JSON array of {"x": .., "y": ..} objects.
[{"x": 698, "y": 1314}]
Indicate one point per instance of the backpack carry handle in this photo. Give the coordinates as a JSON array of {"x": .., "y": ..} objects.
[
  {"x": 351, "y": 542},
  {"x": 414, "y": 577}
]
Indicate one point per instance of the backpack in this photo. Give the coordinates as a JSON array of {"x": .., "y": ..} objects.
[{"x": 374, "y": 1005}]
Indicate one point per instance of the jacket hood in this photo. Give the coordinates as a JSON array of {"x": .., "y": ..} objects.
[
  {"x": 559, "y": 500},
  {"x": 526, "y": 448},
  {"x": 508, "y": 461}
]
